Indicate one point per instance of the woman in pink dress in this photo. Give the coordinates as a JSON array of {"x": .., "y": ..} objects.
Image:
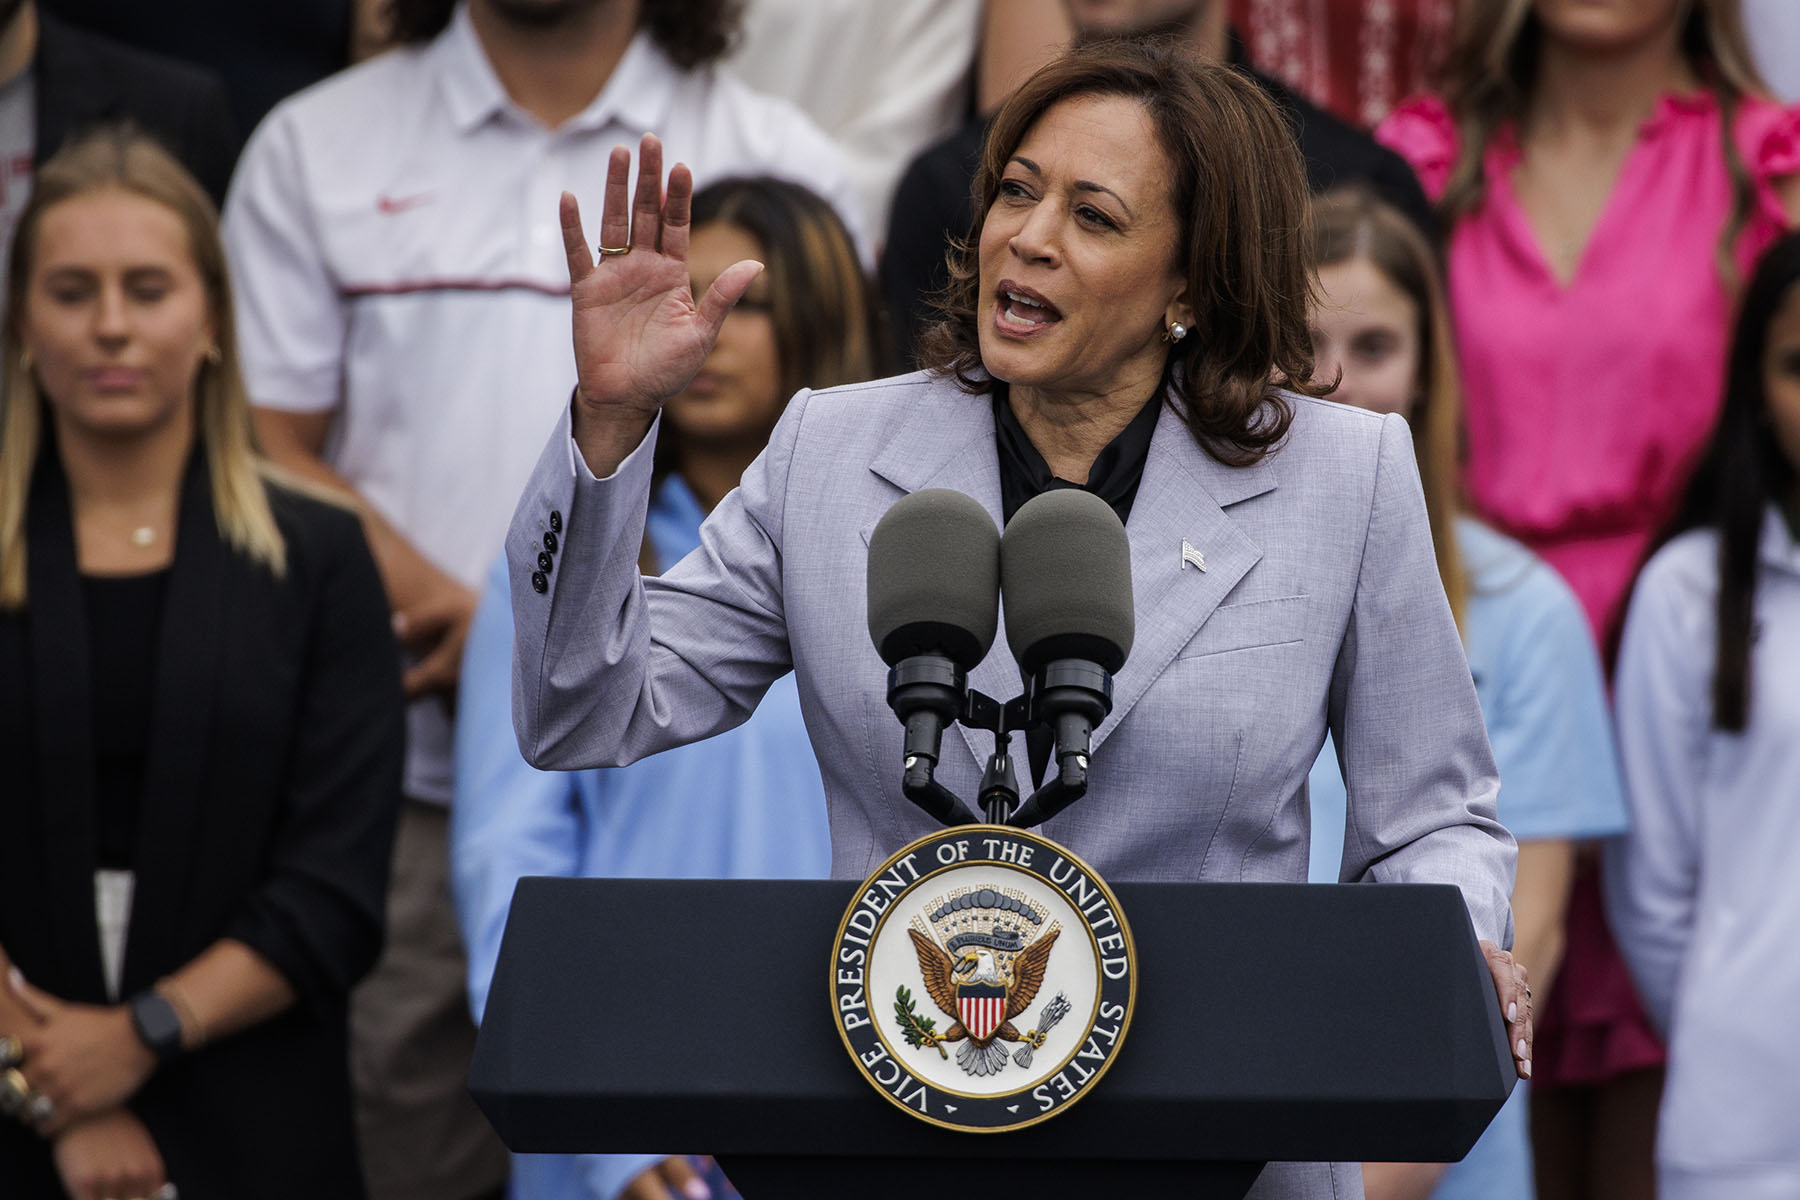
[{"x": 1607, "y": 172}]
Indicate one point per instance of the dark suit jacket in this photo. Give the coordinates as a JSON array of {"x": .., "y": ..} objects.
[
  {"x": 83, "y": 79},
  {"x": 932, "y": 203},
  {"x": 267, "y": 815}
]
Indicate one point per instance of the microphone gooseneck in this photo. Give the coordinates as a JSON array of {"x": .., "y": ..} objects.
[{"x": 933, "y": 600}]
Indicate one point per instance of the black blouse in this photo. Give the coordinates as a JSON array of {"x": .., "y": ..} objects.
[{"x": 124, "y": 619}]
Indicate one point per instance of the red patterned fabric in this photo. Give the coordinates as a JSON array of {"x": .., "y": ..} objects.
[{"x": 1358, "y": 58}]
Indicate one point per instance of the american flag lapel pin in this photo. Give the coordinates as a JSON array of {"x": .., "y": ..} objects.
[{"x": 1191, "y": 556}]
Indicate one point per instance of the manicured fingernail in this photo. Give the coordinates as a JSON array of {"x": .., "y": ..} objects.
[
  {"x": 1512, "y": 1012},
  {"x": 1525, "y": 1068},
  {"x": 1524, "y": 1050}
]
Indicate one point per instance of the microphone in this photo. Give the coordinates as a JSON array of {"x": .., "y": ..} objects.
[
  {"x": 933, "y": 591},
  {"x": 1065, "y": 570}
]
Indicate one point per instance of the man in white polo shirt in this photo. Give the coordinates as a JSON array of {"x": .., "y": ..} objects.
[{"x": 402, "y": 299}]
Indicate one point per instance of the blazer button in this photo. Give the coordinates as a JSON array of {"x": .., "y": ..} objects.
[
  {"x": 539, "y": 584},
  {"x": 545, "y": 562},
  {"x": 550, "y": 542},
  {"x": 555, "y": 522}
]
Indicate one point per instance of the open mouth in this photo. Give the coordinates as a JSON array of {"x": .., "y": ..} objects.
[{"x": 1019, "y": 306}]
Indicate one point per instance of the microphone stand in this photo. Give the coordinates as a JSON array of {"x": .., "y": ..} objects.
[{"x": 1082, "y": 694}]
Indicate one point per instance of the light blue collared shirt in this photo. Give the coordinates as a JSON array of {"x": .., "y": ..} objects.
[
  {"x": 748, "y": 804},
  {"x": 1543, "y": 699}
]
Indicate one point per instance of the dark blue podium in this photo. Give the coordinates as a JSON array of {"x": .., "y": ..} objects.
[{"x": 1274, "y": 1023}]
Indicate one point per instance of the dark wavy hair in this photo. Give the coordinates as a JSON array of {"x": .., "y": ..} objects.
[
  {"x": 1741, "y": 474},
  {"x": 1238, "y": 189},
  {"x": 691, "y": 32}
]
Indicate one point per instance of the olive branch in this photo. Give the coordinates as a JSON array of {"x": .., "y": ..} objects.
[{"x": 916, "y": 1029}]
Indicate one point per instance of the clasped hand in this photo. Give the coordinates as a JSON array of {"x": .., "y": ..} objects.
[
  {"x": 85, "y": 1058},
  {"x": 640, "y": 337}
]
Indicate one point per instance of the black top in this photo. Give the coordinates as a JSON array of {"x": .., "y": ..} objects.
[
  {"x": 932, "y": 203},
  {"x": 1114, "y": 477},
  {"x": 124, "y": 617}
]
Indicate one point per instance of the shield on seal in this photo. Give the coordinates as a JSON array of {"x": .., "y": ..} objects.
[{"x": 982, "y": 1007}]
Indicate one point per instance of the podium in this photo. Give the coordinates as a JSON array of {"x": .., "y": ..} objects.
[{"x": 1274, "y": 1022}]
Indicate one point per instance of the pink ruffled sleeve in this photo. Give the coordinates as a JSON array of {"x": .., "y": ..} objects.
[
  {"x": 1769, "y": 139},
  {"x": 1422, "y": 132}
]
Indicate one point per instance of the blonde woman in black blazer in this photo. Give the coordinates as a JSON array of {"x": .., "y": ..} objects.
[{"x": 200, "y": 726}]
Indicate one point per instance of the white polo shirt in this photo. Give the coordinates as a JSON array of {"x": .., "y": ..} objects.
[{"x": 397, "y": 261}]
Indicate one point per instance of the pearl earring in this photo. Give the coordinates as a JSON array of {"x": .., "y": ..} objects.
[{"x": 1176, "y": 331}]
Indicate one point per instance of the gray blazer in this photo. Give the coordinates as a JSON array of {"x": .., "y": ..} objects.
[{"x": 1320, "y": 607}]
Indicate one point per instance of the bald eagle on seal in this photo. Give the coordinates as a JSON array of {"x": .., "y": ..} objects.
[{"x": 948, "y": 979}]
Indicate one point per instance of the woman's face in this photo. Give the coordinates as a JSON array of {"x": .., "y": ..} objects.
[
  {"x": 737, "y": 395},
  {"x": 1607, "y": 24},
  {"x": 1078, "y": 255},
  {"x": 1368, "y": 328},
  {"x": 116, "y": 316},
  {"x": 1781, "y": 377}
]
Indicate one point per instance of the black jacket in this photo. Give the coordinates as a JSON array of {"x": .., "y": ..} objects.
[
  {"x": 267, "y": 815},
  {"x": 83, "y": 80}
]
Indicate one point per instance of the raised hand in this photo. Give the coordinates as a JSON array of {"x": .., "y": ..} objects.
[{"x": 640, "y": 337}]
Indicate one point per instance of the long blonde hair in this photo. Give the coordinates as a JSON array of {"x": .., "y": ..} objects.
[
  {"x": 124, "y": 160},
  {"x": 1351, "y": 223},
  {"x": 1493, "y": 60}
]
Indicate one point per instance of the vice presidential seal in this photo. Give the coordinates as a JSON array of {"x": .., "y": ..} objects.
[{"x": 983, "y": 978}]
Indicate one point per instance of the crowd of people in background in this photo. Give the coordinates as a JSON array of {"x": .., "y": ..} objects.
[{"x": 256, "y": 633}]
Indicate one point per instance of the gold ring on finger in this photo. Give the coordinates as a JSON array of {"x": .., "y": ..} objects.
[
  {"x": 610, "y": 251},
  {"x": 15, "y": 1089},
  {"x": 12, "y": 1051}
]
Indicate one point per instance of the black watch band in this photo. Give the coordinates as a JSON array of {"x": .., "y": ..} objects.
[{"x": 157, "y": 1023}]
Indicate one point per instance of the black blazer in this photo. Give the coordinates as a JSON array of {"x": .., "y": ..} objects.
[
  {"x": 83, "y": 79},
  {"x": 268, "y": 812}
]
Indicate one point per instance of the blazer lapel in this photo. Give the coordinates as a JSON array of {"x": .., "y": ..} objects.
[
  {"x": 194, "y": 627},
  {"x": 954, "y": 448},
  {"x": 64, "y": 722},
  {"x": 1183, "y": 497}
]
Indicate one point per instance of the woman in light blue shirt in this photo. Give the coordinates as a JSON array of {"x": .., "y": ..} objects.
[
  {"x": 751, "y": 801},
  {"x": 1382, "y": 322},
  {"x": 1704, "y": 892}
]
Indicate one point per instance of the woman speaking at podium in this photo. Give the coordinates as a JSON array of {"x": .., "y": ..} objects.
[{"x": 1139, "y": 276}]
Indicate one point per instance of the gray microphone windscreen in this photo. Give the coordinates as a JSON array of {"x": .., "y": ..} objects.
[
  {"x": 934, "y": 579},
  {"x": 1065, "y": 574}
]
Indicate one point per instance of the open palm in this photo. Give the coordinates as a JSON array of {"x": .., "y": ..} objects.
[{"x": 640, "y": 336}]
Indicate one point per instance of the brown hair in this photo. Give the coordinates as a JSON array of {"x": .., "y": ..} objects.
[
  {"x": 124, "y": 160},
  {"x": 1238, "y": 190},
  {"x": 1352, "y": 223},
  {"x": 825, "y": 332},
  {"x": 691, "y": 32},
  {"x": 1492, "y": 67}
]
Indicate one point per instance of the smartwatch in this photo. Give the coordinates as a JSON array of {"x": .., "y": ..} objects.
[{"x": 157, "y": 1024}]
